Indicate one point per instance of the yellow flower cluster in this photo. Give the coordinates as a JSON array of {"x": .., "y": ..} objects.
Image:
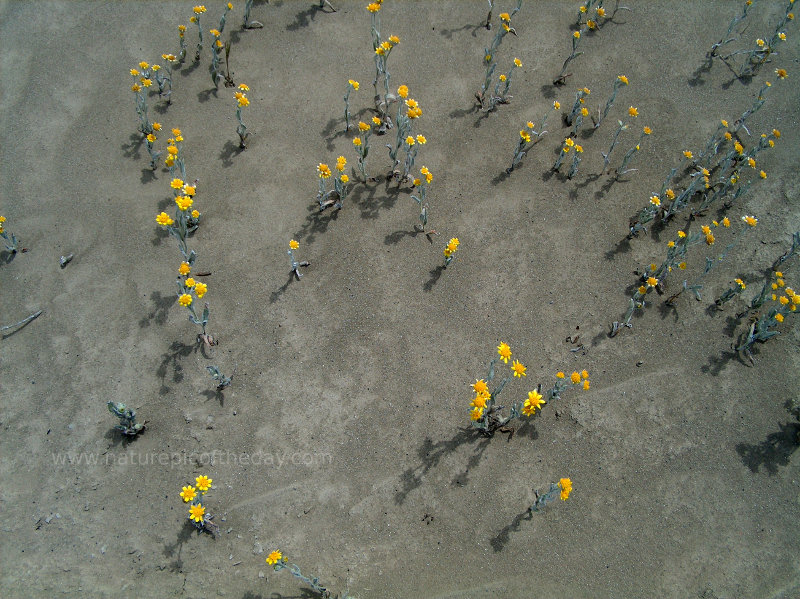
[
  {"x": 240, "y": 95},
  {"x": 533, "y": 403},
  {"x": 414, "y": 110},
  {"x": 341, "y": 162},
  {"x": 323, "y": 170},
  {"x": 275, "y": 556},
  {"x": 451, "y": 248},
  {"x": 429, "y": 178},
  {"x": 565, "y": 485}
]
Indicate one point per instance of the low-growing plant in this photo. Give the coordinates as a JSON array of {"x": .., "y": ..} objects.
[
  {"x": 560, "y": 489},
  {"x": 241, "y": 102},
  {"x": 296, "y": 264},
  {"x": 11, "y": 241},
  {"x": 198, "y": 513},
  {"x": 279, "y": 562},
  {"x": 486, "y": 413},
  {"x": 127, "y": 419},
  {"x": 335, "y": 196}
]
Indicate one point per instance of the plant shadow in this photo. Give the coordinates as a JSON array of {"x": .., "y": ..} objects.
[
  {"x": 172, "y": 358},
  {"x": 161, "y": 306},
  {"x": 772, "y": 452},
  {"x": 430, "y": 454}
]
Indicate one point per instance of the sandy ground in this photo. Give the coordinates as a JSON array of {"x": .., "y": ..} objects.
[{"x": 350, "y": 398}]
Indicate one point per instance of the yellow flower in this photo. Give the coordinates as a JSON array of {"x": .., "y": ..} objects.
[
  {"x": 577, "y": 35},
  {"x": 750, "y": 220},
  {"x": 591, "y": 24},
  {"x": 535, "y": 399},
  {"x": 517, "y": 62},
  {"x": 380, "y": 51},
  {"x": 480, "y": 400},
  {"x": 421, "y": 140},
  {"x": 323, "y": 170},
  {"x": 417, "y": 182},
  {"x": 655, "y": 201},
  {"x": 585, "y": 374},
  {"x": 480, "y": 386},
  {"x": 341, "y": 162},
  {"x": 156, "y": 126},
  {"x": 682, "y": 265},
  {"x": 556, "y": 104},
  {"x": 362, "y": 126},
  {"x": 190, "y": 282},
  {"x": 192, "y": 20},
  {"x": 402, "y": 91},
  {"x": 164, "y": 219},
  {"x": 504, "y": 17},
  {"x": 681, "y": 234},
  {"x": 203, "y": 482},
  {"x": 135, "y": 87},
  {"x": 738, "y": 147},
  {"x": 518, "y": 368},
  {"x": 525, "y": 136},
  {"x": 585, "y": 385},
  {"x": 172, "y": 150},
  {"x": 705, "y": 229},
  {"x": 410, "y": 141},
  {"x": 196, "y": 513},
  {"x": 584, "y": 111},
  {"x": 578, "y": 148},
  {"x": 565, "y": 485},
  {"x": 393, "y": 39},
  {"x": 710, "y": 239},
  {"x": 185, "y": 300},
  {"x": 760, "y": 43},
  {"x": 176, "y": 183},
  {"x": 688, "y": 154},
  {"x": 782, "y": 36},
  {"x": 533, "y": 402},
  {"x": 184, "y": 202},
  {"x": 642, "y": 289},
  {"x": 188, "y": 493},
  {"x": 199, "y": 9},
  {"x": 386, "y": 46},
  {"x": 762, "y": 174},
  {"x": 779, "y": 317},
  {"x": 151, "y": 138},
  {"x": 568, "y": 142},
  {"x": 652, "y": 281},
  {"x": 476, "y": 414},
  {"x": 529, "y": 124},
  {"x": 376, "y": 120},
  {"x": 560, "y": 375},
  {"x": 274, "y": 557},
  {"x": 452, "y": 245},
  {"x": 623, "y": 78},
  {"x": 670, "y": 244},
  {"x": 214, "y": 32},
  {"x": 601, "y": 12},
  {"x": 293, "y": 244},
  {"x": 647, "y": 130},
  {"x": 243, "y": 101},
  {"x": 181, "y": 28},
  {"x": 505, "y": 351},
  {"x": 184, "y": 269},
  {"x": 586, "y": 91},
  {"x": 783, "y": 300},
  {"x": 134, "y": 73},
  {"x": 575, "y": 377},
  {"x": 200, "y": 289},
  {"x": 781, "y": 73},
  {"x": 502, "y": 78},
  {"x": 670, "y": 194},
  {"x": 357, "y": 141},
  {"x": 740, "y": 283},
  {"x": 230, "y": 6},
  {"x": 633, "y": 111},
  {"x": 373, "y": 7},
  {"x": 344, "y": 178},
  {"x": 353, "y": 83}
]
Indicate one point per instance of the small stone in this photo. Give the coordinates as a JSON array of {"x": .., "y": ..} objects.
[{"x": 261, "y": 574}]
